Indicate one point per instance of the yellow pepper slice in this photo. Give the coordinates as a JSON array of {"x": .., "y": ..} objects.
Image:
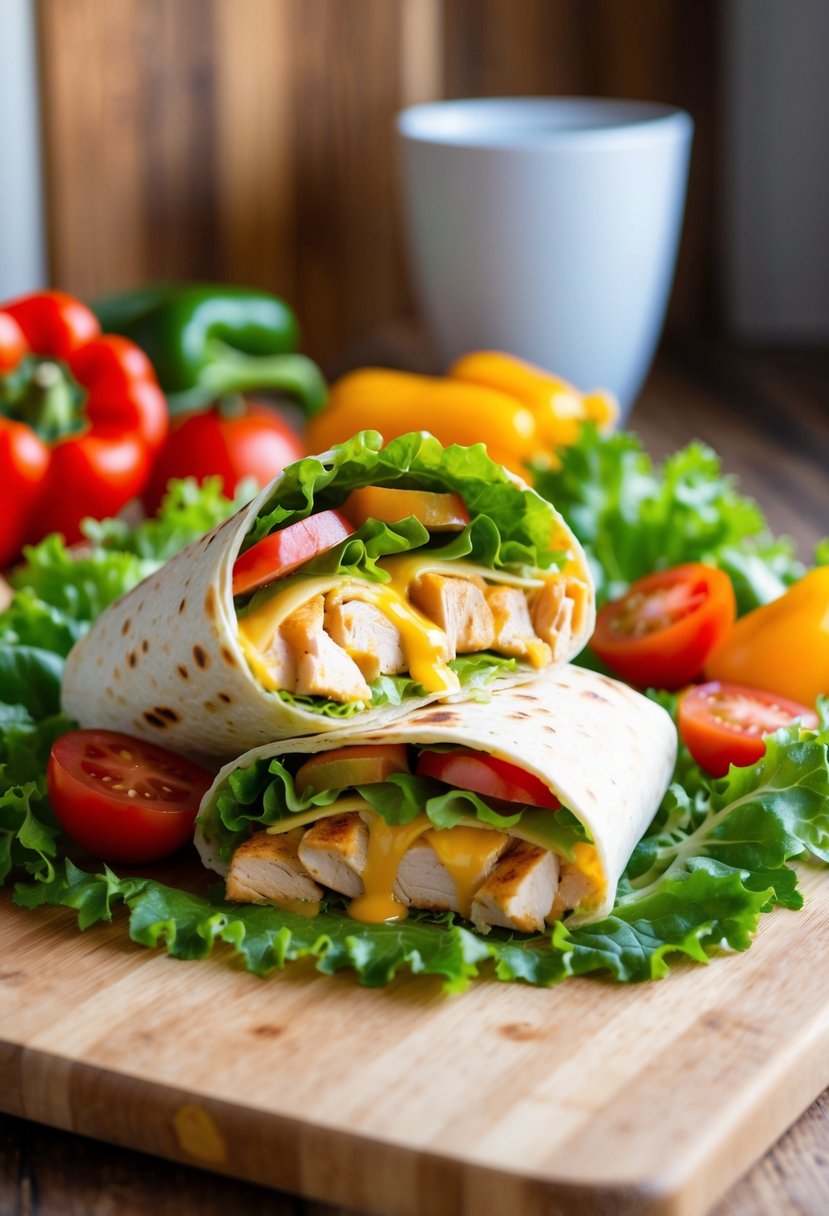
[
  {"x": 782, "y": 647},
  {"x": 454, "y": 411},
  {"x": 558, "y": 407}
]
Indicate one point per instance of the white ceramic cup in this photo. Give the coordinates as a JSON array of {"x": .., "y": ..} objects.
[{"x": 547, "y": 227}]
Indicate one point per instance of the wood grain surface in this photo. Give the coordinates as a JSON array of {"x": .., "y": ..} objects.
[
  {"x": 698, "y": 1074},
  {"x": 253, "y": 140}
]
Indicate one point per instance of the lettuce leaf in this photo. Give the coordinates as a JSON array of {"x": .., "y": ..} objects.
[
  {"x": 523, "y": 521},
  {"x": 633, "y": 517},
  {"x": 77, "y": 585}
]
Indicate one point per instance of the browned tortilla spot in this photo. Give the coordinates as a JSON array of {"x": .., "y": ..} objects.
[
  {"x": 154, "y": 720},
  {"x": 164, "y": 712},
  {"x": 201, "y": 656},
  {"x": 440, "y": 715},
  {"x": 183, "y": 604},
  {"x": 210, "y": 706},
  {"x": 210, "y": 603},
  {"x": 267, "y": 1031},
  {"x": 595, "y": 696},
  {"x": 183, "y": 672},
  {"x": 116, "y": 673},
  {"x": 145, "y": 645},
  {"x": 125, "y": 628},
  {"x": 223, "y": 696},
  {"x": 228, "y": 656},
  {"x": 132, "y": 658}
]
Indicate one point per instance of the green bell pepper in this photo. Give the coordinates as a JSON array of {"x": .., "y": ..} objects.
[{"x": 209, "y": 341}]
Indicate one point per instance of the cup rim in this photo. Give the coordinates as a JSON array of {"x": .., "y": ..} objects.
[{"x": 490, "y": 122}]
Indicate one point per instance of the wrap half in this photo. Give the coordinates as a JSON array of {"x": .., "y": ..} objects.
[
  {"x": 358, "y": 585},
  {"x": 512, "y": 813}
]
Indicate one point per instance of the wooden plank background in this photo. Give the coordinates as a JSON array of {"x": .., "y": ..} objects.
[{"x": 252, "y": 140}]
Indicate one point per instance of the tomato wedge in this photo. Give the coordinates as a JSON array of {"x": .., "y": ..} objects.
[
  {"x": 365, "y": 764},
  {"x": 122, "y": 799},
  {"x": 437, "y": 512},
  {"x": 660, "y": 633},
  {"x": 482, "y": 774},
  {"x": 723, "y": 724},
  {"x": 284, "y": 551}
]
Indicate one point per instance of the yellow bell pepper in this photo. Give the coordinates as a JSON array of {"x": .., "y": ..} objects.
[
  {"x": 558, "y": 408},
  {"x": 519, "y": 411},
  {"x": 782, "y": 647}
]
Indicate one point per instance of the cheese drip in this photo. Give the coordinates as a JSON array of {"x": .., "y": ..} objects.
[
  {"x": 386, "y": 847},
  {"x": 467, "y": 855},
  {"x": 423, "y": 643}
]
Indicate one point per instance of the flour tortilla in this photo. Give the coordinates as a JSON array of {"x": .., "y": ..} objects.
[
  {"x": 605, "y": 751},
  {"x": 164, "y": 661}
]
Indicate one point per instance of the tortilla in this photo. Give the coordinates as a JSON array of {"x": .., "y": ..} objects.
[
  {"x": 604, "y": 750},
  {"x": 165, "y": 662}
]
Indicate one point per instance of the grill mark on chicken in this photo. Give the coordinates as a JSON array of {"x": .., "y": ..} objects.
[{"x": 516, "y": 884}]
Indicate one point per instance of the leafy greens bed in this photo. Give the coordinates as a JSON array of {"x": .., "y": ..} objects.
[{"x": 715, "y": 859}]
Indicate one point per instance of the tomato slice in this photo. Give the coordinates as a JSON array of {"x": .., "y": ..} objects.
[
  {"x": 122, "y": 799},
  {"x": 487, "y": 775},
  {"x": 660, "y": 633},
  {"x": 437, "y": 512},
  {"x": 286, "y": 550},
  {"x": 723, "y": 724},
  {"x": 365, "y": 764}
]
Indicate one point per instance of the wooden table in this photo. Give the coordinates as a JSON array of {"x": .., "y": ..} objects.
[{"x": 768, "y": 416}]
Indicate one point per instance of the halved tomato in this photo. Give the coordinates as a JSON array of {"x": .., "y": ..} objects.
[
  {"x": 286, "y": 550},
  {"x": 122, "y": 799},
  {"x": 660, "y": 633},
  {"x": 724, "y": 724},
  {"x": 469, "y": 770}
]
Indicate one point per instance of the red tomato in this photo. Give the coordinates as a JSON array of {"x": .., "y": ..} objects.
[
  {"x": 284, "y": 551},
  {"x": 13, "y": 345},
  {"x": 723, "y": 724},
  {"x": 482, "y": 774},
  {"x": 251, "y": 441},
  {"x": 122, "y": 799},
  {"x": 660, "y": 633}
]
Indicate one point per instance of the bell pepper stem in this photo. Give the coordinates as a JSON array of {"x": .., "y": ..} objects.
[
  {"x": 232, "y": 372},
  {"x": 48, "y": 404}
]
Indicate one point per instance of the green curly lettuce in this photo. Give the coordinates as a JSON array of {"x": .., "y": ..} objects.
[{"x": 633, "y": 517}]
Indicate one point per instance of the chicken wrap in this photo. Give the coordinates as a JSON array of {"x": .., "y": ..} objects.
[
  {"x": 358, "y": 585},
  {"x": 512, "y": 813}
]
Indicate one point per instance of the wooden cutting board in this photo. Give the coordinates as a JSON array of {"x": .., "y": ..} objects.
[{"x": 506, "y": 1101}]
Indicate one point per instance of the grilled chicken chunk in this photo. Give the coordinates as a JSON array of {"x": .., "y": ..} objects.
[
  {"x": 514, "y": 633},
  {"x": 574, "y": 889},
  {"x": 519, "y": 892},
  {"x": 368, "y": 638},
  {"x": 281, "y": 662},
  {"x": 333, "y": 852},
  {"x": 323, "y": 669},
  {"x": 458, "y": 607},
  {"x": 266, "y": 870},
  {"x": 423, "y": 881},
  {"x": 552, "y": 617}
]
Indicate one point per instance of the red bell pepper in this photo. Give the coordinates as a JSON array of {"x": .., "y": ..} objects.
[{"x": 81, "y": 418}]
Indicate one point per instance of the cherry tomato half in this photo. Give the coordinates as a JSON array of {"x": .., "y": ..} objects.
[
  {"x": 660, "y": 633},
  {"x": 482, "y": 774},
  {"x": 122, "y": 799},
  {"x": 724, "y": 724},
  {"x": 283, "y": 551}
]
